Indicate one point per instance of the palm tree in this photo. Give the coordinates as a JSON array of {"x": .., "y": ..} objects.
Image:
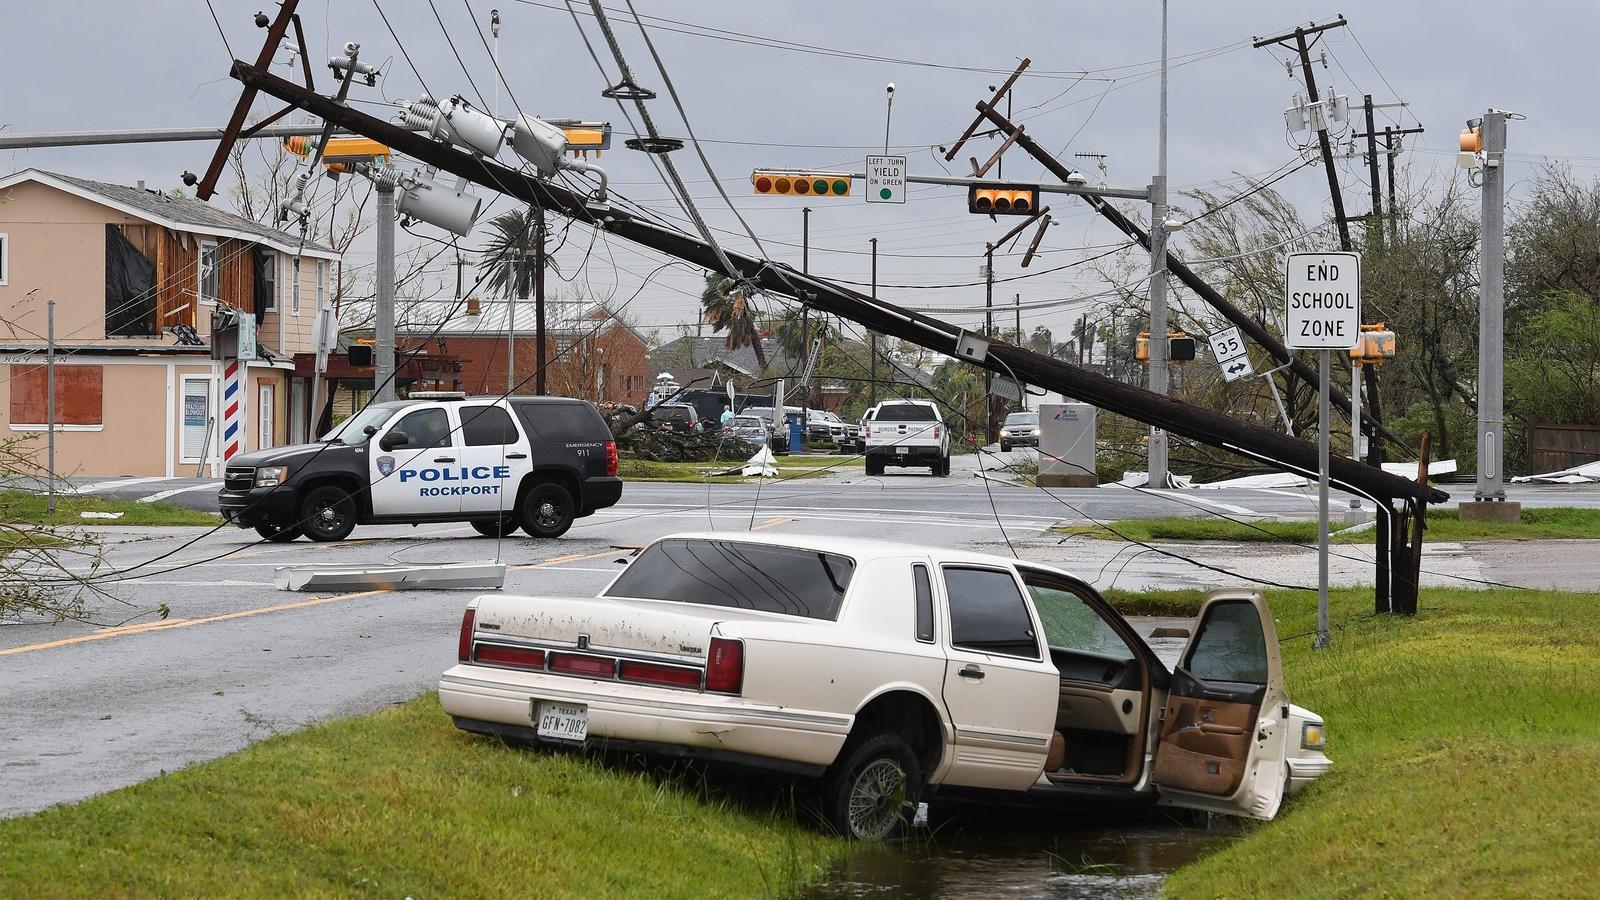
[
  {"x": 508, "y": 255},
  {"x": 729, "y": 308}
]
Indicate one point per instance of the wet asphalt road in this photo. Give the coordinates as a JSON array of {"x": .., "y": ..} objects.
[{"x": 85, "y": 710}]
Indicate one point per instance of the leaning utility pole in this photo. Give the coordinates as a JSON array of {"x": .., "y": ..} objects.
[{"x": 1304, "y": 49}]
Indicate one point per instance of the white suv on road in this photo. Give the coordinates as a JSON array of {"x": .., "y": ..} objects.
[{"x": 906, "y": 433}]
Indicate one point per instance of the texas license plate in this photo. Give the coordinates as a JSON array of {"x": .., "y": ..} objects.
[
  {"x": 900, "y": 450},
  {"x": 561, "y": 721}
]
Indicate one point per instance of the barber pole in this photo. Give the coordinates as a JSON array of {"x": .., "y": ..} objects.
[{"x": 232, "y": 411}]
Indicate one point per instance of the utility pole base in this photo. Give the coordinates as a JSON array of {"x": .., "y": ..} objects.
[
  {"x": 1356, "y": 515},
  {"x": 1490, "y": 511}
]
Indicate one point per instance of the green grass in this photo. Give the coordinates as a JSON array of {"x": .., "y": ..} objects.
[
  {"x": 1466, "y": 751},
  {"x": 788, "y": 467},
  {"x": 398, "y": 804},
  {"x": 24, "y": 507},
  {"x": 1443, "y": 525}
]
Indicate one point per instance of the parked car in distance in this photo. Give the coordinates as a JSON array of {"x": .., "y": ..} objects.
[
  {"x": 535, "y": 463},
  {"x": 680, "y": 417},
  {"x": 749, "y": 429},
  {"x": 780, "y": 437},
  {"x": 906, "y": 433},
  {"x": 1020, "y": 429},
  {"x": 823, "y": 425},
  {"x": 887, "y": 671}
]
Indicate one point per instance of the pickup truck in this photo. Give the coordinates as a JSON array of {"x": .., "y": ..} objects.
[
  {"x": 889, "y": 672},
  {"x": 906, "y": 433}
]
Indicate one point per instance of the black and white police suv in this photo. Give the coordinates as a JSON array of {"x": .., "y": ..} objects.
[{"x": 536, "y": 463}]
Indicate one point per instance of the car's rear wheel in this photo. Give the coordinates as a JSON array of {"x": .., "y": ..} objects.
[
  {"x": 871, "y": 792},
  {"x": 328, "y": 513},
  {"x": 547, "y": 510},
  {"x": 279, "y": 535},
  {"x": 496, "y": 528}
]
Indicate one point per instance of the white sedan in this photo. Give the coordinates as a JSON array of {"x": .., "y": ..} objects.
[{"x": 890, "y": 671}]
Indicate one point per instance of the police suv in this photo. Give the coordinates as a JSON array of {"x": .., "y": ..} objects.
[{"x": 535, "y": 463}]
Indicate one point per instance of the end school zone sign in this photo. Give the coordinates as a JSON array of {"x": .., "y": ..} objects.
[{"x": 1323, "y": 309}]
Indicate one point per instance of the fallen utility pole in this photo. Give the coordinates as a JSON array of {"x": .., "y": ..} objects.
[
  {"x": 1188, "y": 276},
  {"x": 144, "y": 136},
  {"x": 1197, "y": 423}
]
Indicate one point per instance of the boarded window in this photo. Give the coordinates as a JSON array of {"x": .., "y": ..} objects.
[
  {"x": 78, "y": 392},
  {"x": 5, "y": 258},
  {"x": 130, "y": 288}
]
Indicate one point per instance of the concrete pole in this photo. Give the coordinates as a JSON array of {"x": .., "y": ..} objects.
[
  {"x": 1158, "y": 275},
  {"x": 805, "y": 313},
  {"x": 989, "y": 435},
  {"x": 873, "y": 335},
  {"x": 1355, "y": 416},
  {"x": 1491, "y": 314},
  {"x": 383, "y": 374},
  {"x": 50, "y": 393},
  {"x": 538, "y": 305}
]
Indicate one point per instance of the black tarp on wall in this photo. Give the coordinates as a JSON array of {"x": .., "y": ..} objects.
[
  {"x": 130, "y": 288},
  {"x": 265, "y": 283}
]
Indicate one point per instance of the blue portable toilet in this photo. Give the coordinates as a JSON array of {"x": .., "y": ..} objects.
[{"x": 797, "y": 435}]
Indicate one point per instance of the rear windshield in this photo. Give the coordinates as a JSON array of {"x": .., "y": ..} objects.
[
  {"x": 905, "y": 412},
  {"x": 560, "y": 422},
  {"x": 674, "y": 412},
  {"x": 740, "y": 576},
  {"x": 746, "y": 422},
  {"x": 1031, "y": 418}
]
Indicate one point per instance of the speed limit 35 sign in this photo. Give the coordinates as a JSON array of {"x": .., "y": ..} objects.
[{"x": 1228, "y": 347}]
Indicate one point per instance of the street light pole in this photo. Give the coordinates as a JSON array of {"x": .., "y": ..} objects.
[
  {"x": 1158, "y": 276},
  {"x": 1491, "y": 314},
  {"x": 988, "y": 332},
  {"x": 383, "y": 374},
  {"x": 872, "y": 336}
]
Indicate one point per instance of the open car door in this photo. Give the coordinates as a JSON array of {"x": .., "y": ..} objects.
[{"x": 1222, "y": 738}]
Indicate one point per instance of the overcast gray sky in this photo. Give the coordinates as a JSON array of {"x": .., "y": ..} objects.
[{"x": 94, "y": 64}]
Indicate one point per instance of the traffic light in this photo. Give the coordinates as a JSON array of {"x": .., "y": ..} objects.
[
  {"x": 1002, "y": 200},
  {"x": 801, "y": 184},
  {"x": 1375, "y": 345},
  {"x": 1180, "y": 347},
  {"x": 1471, "y": 145}
]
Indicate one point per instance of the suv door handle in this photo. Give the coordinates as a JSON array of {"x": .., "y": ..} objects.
[
  {"x": 972, "y": 672},
  {"x": 516, "y": 456},
  {"x": 444, "y": 459}
]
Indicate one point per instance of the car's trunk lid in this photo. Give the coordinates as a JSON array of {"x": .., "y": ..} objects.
[{"x": 599, "y": 624}]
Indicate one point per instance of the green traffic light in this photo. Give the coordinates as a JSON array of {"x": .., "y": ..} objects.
[
  {"x": 840, "y": 186},
  {"x": 820, "y": 186}
]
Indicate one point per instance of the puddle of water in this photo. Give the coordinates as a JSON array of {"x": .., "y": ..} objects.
[{"x": 1027, "y": 857}]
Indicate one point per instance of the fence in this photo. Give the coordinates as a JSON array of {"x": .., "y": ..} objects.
[{"x": 1555, "y": 447}]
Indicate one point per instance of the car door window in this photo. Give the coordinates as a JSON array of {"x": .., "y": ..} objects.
[
  {"x": 1071, "y": 624},
  {"x": 425, "y": 428},
  {"x": 1229, "y": 645},
  {"x": 486, "y": 426},
  {"x": 988, "y": 614}
]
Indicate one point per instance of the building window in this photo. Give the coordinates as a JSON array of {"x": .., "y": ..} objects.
[
  {"x": 78, "y": 397},
  {"x": 208, "y": 272},
  {"x": 294, "y": 291},
  {"x": 266, "y": 286},
  {"x": 5, "y": 259}
]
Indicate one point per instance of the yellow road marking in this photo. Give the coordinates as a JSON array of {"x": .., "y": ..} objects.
[
  {"x": 185, "y": 623},
  {"x": 771, "y": 522},
  {"x": 571, "y": 557}
]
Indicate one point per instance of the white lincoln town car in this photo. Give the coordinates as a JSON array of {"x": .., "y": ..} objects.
[{"x": 890, "y": 671}]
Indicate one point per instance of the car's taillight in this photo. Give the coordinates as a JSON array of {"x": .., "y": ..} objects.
[
  {"x": 464, "y": 647},
  {"x": 866, "y": 431},
  {"x": 510, "y": 656},
  {"x": 651, "y": 673},
  {"x": 936, "y": 432},
  {"x": 611, "y": 458},
  {"x": 574, "y": 664},
  {"x": 725, "y": 666}
]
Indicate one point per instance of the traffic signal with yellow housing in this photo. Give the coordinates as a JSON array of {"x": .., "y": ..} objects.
[
  {"x": 1002, "y": 200},
  {"x": 341, "y": 152},
  {"x": 1180, "y": 348},
  {"x": 801, "y": 184}
]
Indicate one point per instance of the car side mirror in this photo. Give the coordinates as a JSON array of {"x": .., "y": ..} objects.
[
  {"x": 394, "y": 439},
  {"x": 370, "y": 430}
]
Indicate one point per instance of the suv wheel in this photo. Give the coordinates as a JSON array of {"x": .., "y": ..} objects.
[
  {"x": 279, "y": 535},
  {"x": 328, "y": 513},
  {"x": 871, "y": 791},
  {"x": 496, "y": 528},
  {"x": 547, "y": 510}
]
